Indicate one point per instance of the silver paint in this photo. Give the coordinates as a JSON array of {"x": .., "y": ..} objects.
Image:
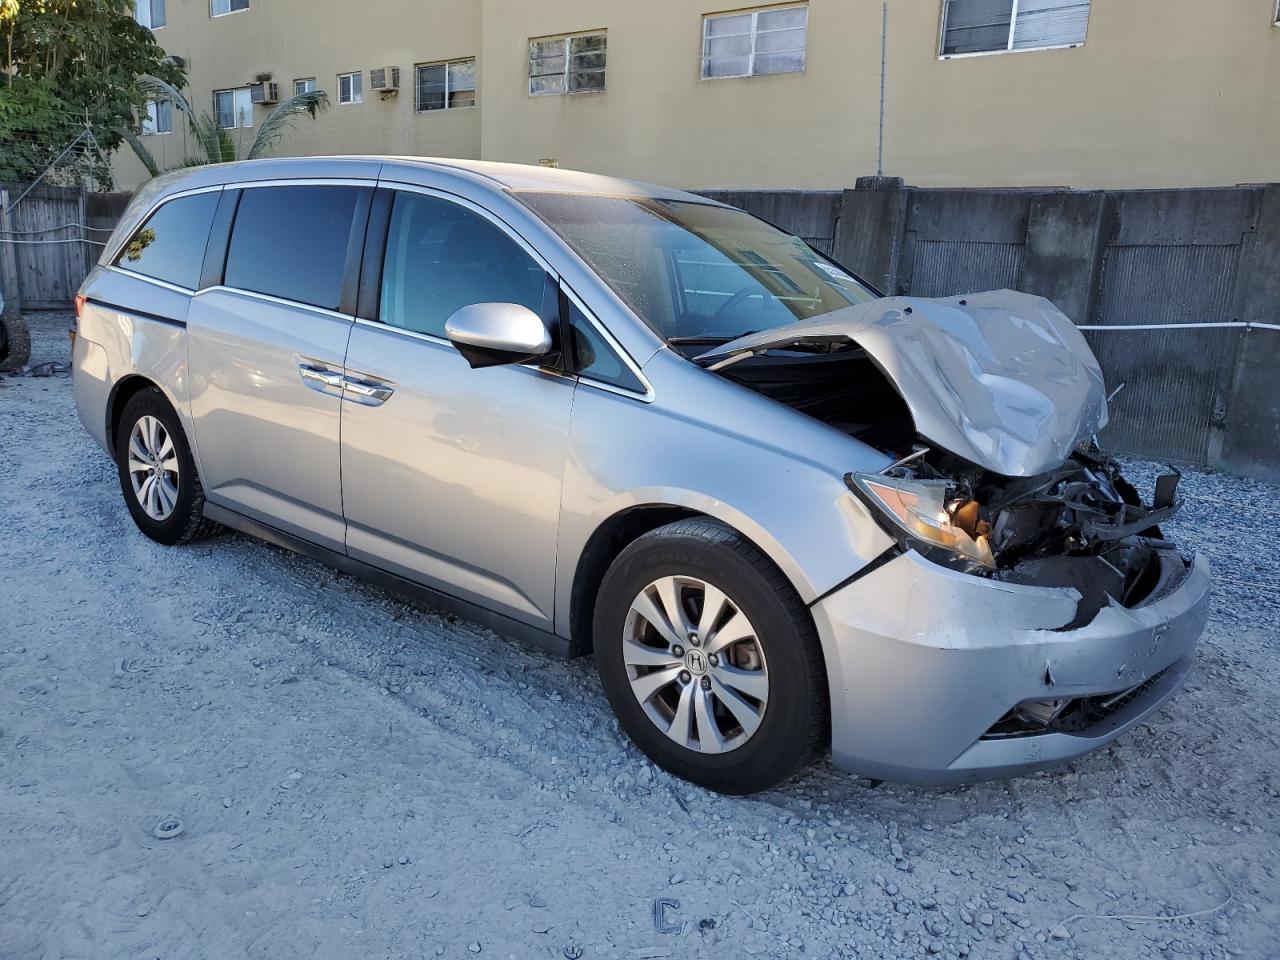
[
  {"x": 505, "y": 327},
  {"x": 489, "y": 484}
]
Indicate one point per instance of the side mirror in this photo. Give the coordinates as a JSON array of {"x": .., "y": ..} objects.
[{"x": 491, "y": 334}]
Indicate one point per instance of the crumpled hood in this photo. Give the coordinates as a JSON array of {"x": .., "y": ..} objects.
[{"x": 1002, "y": 379}]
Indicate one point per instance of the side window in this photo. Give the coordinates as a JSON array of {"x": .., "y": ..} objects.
[
  {"x": 441, "y": 256},
  {"x": 170, "y": 245},
  {"x": 291, "y": 242},
  {"x": 593, "y": 357}
]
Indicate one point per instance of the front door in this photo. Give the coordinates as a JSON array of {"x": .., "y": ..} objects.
[
  {"x": 451, "y": 476},
  {"x": 265, "y": 351}
]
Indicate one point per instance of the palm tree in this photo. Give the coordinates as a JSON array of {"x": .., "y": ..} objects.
[{"x": 215, "y": 144}]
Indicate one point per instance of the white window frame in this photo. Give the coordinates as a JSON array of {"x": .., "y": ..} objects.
[
  {"x": 243, "y": 110},
  {"x": 475, "y": 99},
  {"x": 566, "y": 39},
  {"x": 1009, "y": 47},
  {"x": 151, "y": 120},
  {"x": 300, "y": 85},
  {"x": 357, "y": 95},
  {"x": 149, "y": 20},
  {"x": 709, "y": 18},
  {"x": 228, "y": 12},
  {"x": 1275, "y": 19}
]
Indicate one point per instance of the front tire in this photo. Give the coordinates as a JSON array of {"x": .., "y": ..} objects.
[
  {"x": 709, "y": 658},
  {"x": 157, "y": 473}
]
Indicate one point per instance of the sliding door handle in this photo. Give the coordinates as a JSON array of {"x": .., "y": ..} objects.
[{"x": 367, "y": 392}]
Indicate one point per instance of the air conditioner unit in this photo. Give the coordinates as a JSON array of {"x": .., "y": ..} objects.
[
  {"x": 266, "y": 93},
  {"x": 385, "y": 79}
]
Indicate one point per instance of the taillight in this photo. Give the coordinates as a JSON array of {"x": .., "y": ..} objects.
[{"x": 80, "y": 298}]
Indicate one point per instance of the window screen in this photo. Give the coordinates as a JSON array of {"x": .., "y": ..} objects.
[
  {"x": 351, "y": 88},
  {"x": 170, "y": 245},
  {"x": 291, "y": 242},
  {"x": 158, "y": 118},
  {"x": 441, "y": 257},
  {"x": 751, "y": 44},
  {"x": 150, "y": 13},
  {"x": 233, "y": 108},
  {"x": 447, "y": 86},
  {"x": 980, "y": 26},
  {"x": 567, "y": 64},
  {"x": 219, "y": 7}
]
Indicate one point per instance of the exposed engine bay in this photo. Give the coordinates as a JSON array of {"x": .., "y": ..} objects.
[{"x": 1081, "y": 524}]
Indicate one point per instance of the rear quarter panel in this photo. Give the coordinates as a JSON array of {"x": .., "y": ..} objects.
[{"x": 129, "y": 327}]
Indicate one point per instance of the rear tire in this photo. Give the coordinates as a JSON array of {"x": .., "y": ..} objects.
[
  {"x": 741, "y": 703},
  {"x": 157, "y": 473}
]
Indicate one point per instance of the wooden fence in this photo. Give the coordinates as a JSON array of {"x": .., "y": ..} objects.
[{"x": 49, "y": 241}]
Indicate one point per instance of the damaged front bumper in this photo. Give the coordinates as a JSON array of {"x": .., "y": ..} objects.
[{"x": 926, "y": 664}]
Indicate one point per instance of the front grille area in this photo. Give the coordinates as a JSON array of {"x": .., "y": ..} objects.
[{"x": 1078, "y": 716}]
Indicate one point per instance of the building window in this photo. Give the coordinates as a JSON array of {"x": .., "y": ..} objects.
[
  {"x": 233, "y": 108},
  {"x": 756, "y": 43},
  {"x": 150, "y": 13},
  {"x": 446, "y": 86},
  {"x": 996, "y": 26},
  {"x": 220, "y": 8},
  {"x": 304, "y": 86},
  {"x": 158, "y": 118},
  {"x": 567, "y": 64},
  {"x": 351, "y": 87}
]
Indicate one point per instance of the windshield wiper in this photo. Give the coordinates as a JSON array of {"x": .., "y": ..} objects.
[{"x": 708, "y": 338}]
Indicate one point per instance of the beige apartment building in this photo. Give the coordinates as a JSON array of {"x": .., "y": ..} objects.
[{"x": 1080, "y": 93}]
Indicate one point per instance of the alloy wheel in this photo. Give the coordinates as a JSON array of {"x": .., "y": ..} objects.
[
  {"x": 153, "y": 468},
  {"x": 695, "y": 664}
]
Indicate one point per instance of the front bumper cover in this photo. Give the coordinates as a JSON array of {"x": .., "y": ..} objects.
[{"x": 922, "y": 661}]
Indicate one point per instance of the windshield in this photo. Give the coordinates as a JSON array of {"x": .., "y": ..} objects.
[{"x": 695, "y": 272}]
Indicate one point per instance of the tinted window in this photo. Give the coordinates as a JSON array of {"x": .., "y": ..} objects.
[
  {"x": 593, "y": 357},
  {"x": 442, "y": 256},
  {"x": 170, "y": 245},
  {"x": 291, "y": 242}
]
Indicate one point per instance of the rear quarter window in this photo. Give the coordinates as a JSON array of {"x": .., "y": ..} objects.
[{"x": 170, "y": 245}]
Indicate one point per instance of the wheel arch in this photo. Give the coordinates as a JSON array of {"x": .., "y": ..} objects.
[
  {"x": 621, "y": 528},
  {"x": 125, "y": 389}
]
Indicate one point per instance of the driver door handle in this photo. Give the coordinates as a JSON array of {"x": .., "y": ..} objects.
[{"x": 319, "y": 378}]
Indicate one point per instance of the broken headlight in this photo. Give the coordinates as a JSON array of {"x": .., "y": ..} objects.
[{"x": 921, "y": 509}]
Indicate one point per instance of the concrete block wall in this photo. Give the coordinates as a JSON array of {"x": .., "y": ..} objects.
[{"x": 1203, "y": 396}]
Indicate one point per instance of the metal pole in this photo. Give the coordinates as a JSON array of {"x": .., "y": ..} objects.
[
  {"x": 884, "y": 43},
  {"x": 37, "y": 180}
]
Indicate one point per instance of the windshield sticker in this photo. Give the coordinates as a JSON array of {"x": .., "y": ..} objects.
[{"x": 831, "y": 271}]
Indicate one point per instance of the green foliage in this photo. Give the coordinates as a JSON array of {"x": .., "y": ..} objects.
[
  {"x": 280, "y": 120},
  {"x": 215, "y": 144},
  {"x": 68, "y": 62}
]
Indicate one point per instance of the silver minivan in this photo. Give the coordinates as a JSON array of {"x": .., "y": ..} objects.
[{"x": 781, "y": 509}]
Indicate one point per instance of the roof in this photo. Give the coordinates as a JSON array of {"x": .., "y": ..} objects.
[{"x": 511, "y": 176}]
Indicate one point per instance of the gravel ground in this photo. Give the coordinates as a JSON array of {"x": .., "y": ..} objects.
[{"x": 356, "y": 776}]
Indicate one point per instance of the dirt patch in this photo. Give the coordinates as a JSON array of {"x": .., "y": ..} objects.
[{"x": 355, "y": 776}]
